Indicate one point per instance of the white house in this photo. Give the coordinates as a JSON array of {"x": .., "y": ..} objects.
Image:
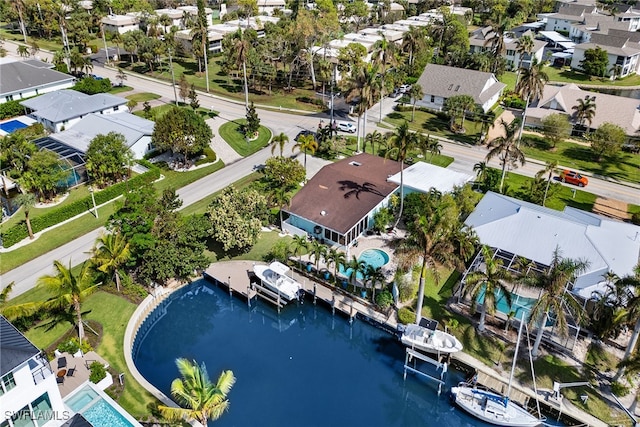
[
  {"x": 120, "y": 23},
  {"x": 267, "y": 7},
  {"x": 622, "y": 52},
  {"x": 440, "y": 82},
  {"x": 567, "y": 15},
  {"x": 60, "y": 110},
  {"x": 185, "y": 38},
  {"x": 136, "y": 131},
  {"x": 29, "y": 394},
  {"x": 24, "y": 79},
  {"x": 480, "y": 41}
]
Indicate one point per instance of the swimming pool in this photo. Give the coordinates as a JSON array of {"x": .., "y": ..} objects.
[
  {"x": 97, "y": 410},
  {"x": 519, "y": 304},
  {"x": 12, "y": 125},
  {"x": 373, "y": 257}
]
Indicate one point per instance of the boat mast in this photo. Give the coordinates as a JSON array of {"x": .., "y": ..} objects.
[{"x": 515, "y": 355}]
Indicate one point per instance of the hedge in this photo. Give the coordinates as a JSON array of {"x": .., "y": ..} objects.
[
  {"x": 19, "y": 231},
  {"x": 11, "y": 109}
]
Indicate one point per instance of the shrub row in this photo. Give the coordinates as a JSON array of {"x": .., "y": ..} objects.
[
  {"x": 18, "y": 232},
  {"x": 309, "y": 100},
  {"x": 10, "y": 109}
]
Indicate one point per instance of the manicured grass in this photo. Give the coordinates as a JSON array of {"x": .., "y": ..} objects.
[
  {"x": 259, "y": 251},
  {"x": 119, "y": 89},
  {"x": 568, "y": 76},
  {"x": 633, "y": 209},
  {"x": 430, "y": 124},
  {"x": 625, "y": 166},
  {"x": 143, "y": 96},
  {"x": 54, "y": 238},
  {"x": 200, "y": 207},
  {"x": 508, "y": 78},
  {"x": 232, "y": 135},
  {"x": 438, "y": 159}
]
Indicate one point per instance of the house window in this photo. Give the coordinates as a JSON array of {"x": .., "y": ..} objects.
[
  {"x": 7, "y": 383},
  {"x": 433, "y": 98},
  {"x": 22, "y": 418},
  {"x": 116, "y": 108},
  {"x": 42, "y": 409},
  {"x": 9, "y": 98},
  {"x": 511, "y": 52}
]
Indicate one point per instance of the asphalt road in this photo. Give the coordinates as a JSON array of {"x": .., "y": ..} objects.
[{"x": 289, "y": 122}]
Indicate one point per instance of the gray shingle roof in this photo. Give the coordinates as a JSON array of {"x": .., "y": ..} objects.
[
  {"x": 23, "y": 75},
  {"x": 68, "y": 104},
  {"x": 14, "y": 347},
  {"x": 130, "y": 126},
  {"x": 443, "y": 81}
]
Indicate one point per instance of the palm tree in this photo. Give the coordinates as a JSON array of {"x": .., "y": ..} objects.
[
  {"x": 279, "y": 141},
  {"x": 505, "y": 148},
  {"x": 490, "y": 280},
  {"x": 337, "y": 258},
  {"x": 121, "y": 76},
  {"x": 362, "y": 84},
  {"x": 280, "y": 197},
  {"x": 414, "y": 40},
  {"x": 524, "y": 46},
  {"x": 110, "y": 253},
  {"x": 355, "y": 266},
  {"x": 27, "y": 201},
  {"x": 633, "y": 316},
  {"x": 317, "y": 250},
  {"x": 416, "y": 94},
  {"x": 374, "y": 275},
  {"x": 585, "y": 110},
  {"x": 306, "y": 143},
  {"x": 23, "y": 51},
  {"x": 549, "y": 168},
  {"x": 241, "y": 48},
  {"x": 4, "y": 295},
  {"x": 372, "y": 138},
  {"x": 554, "y": 298},
  {"x": 531, "y": 86},
  {"x": 202, "y": 399},
  {"x": 496, "y": 40},
  {"x": 384, "y": 55},
  {"x": 430, "y": 241},
  {"x": 299, "y": 244},
  {"x": 400, "y": 143},
  {"x": 69, "y": 290}
]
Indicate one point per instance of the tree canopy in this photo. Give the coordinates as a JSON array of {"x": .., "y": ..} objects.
[
  {"x": 595, "y": 62},
  {"x": 182, "y": 131},
  {"x": 606, "y": 140},
  {"x": 107, "y": 158},
  {"x": 284, "y": 172}
]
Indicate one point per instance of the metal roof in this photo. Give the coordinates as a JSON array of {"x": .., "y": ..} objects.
[
  {"x": 14, "y": 347},
  {"x": 68, "y": 104},
  {"x": 534, "y": 232},
  {"x": 16, "y": 76},
  {"x": 423, "y": 177}
]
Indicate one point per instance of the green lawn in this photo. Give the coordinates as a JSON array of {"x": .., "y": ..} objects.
[
  {"x": 200, "y": 207},
  {"x": 508, "y": 78},
  {"x": 430, "y": 124},
  {"x": 143, "y": 97},
  {"x": 120, "y": 89},
  {"x": 568, "y": 76},
  {"x": 232, "y": 135},
  {"x": 624, "y": 167}
]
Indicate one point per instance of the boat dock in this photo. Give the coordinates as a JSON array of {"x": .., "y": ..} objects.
[{"x": 236, "y": 277}]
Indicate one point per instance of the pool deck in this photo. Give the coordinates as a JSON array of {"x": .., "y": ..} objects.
[{"x": 81, "y": 374}]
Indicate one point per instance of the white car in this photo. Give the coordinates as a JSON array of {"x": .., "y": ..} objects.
[{"x": 347, "y": 127}]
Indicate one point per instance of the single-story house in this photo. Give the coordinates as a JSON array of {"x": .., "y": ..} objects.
[
  {"x": 522, "y": 229},
  {"x": 480, "y": 41},
  {"x": 440, "y": 82},
  {"x": 421, "y": 177},
  {"x": 136, "y": 130},
  {"x": 618, "y": 110},
  {"x": 24, "y": 79},
  {"x": 62, "y": 109},
  {"x": 621, "y": 51},
  {"x": 185, "y": 38},
  {"x": 120, "y": 23},
  {"x": 339, "y": 202}
]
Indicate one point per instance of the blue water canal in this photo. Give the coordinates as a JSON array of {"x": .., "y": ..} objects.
[{"x": 304, "y": 367}]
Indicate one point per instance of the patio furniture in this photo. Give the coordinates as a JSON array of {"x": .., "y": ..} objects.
[
  {"x": 71, "y": 371},
  {"x": 62, "y": 362},
  {"x": 60, "y": 380}
]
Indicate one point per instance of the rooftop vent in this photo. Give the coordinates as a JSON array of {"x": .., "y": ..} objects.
[
  {"x": 355, "y": 163},
  {"x": 323, "y": 213}
]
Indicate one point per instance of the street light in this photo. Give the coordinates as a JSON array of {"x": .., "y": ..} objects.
[{"x": 93, "y": 198}]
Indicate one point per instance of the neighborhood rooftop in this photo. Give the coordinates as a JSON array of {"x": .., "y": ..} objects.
[
  {"x": 23, "y": 75},
  {"x": 14, "y": 347},
  {"x": 68, "y": 104},
  {"x": 423, "y": 177}
]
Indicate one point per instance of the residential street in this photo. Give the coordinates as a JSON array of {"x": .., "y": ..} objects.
[{"x": 290, "y": 123}]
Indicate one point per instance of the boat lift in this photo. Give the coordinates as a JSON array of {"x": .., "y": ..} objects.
[{"x": 412, "y": 354}]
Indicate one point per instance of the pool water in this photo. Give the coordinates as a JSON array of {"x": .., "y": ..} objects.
[
  {"x": 373, "y": 257},
  {"x": 303, "y": 367},
  {"x": 519, "y": 305},
  {"x": 12, "y": 126},
  {"x": 101, "y": 414}
]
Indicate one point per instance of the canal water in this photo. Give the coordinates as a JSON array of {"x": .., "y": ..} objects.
[{"x": 303, "y": 367}]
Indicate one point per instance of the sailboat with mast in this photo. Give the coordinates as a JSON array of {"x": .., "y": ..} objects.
[{"x": 495, "y": 408}]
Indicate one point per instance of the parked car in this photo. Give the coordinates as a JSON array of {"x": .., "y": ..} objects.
[
  {"x": 347, "y": 127},
  {"x": 304, "y": 133},
  {"x": 573, "y": 177},
  {"x": 404, "y": 88}
]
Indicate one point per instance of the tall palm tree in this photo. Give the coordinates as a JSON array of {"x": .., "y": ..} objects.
[
  {"x": 337, "y": 258},
  {"x": 585, "y": 110},
  {"x": 362, "y": 84},
  {"x": 355, "y": 266},
  {"x": 241, "y": 48},
  {"x": 430, "y": 241},
  {"x": 632, "y": 309},
  {"x": 299, "y": 244},
  {"x": 554, "y": 297},
  {"x": 110, "y": 253},
  {"x": 491, "y": 280},
  {"x": 496, "y": 39},
  {"x": 384, "y": 55},
  {"x": 318, "y": 251},
  {"x": 524, "y": 46},
  {"x": 530, "y": 87},
  {"x": 69, "y": 289},
  {"x": 416, "y": 94},
  {"x": 279, "y": 141},
  {"x": 549, "y": 168},
  {"x": 505, "y": 148},
  {"x": 280, "y": 197},
  {"x": 306, "y": 143},
  {"x": 400, "y": 143},
  {"x": 414, "y": 40},
  {"x": 27, "y": 201},
  {"x": 374, "y": 275},
  {"x": 202, "y": 399}
]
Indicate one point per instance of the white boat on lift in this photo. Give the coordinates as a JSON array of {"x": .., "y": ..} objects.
[
  {"x": 494, "y": 408},
  {"x": 274, "y": 277},
  {"x": 426, "y": 337}
]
